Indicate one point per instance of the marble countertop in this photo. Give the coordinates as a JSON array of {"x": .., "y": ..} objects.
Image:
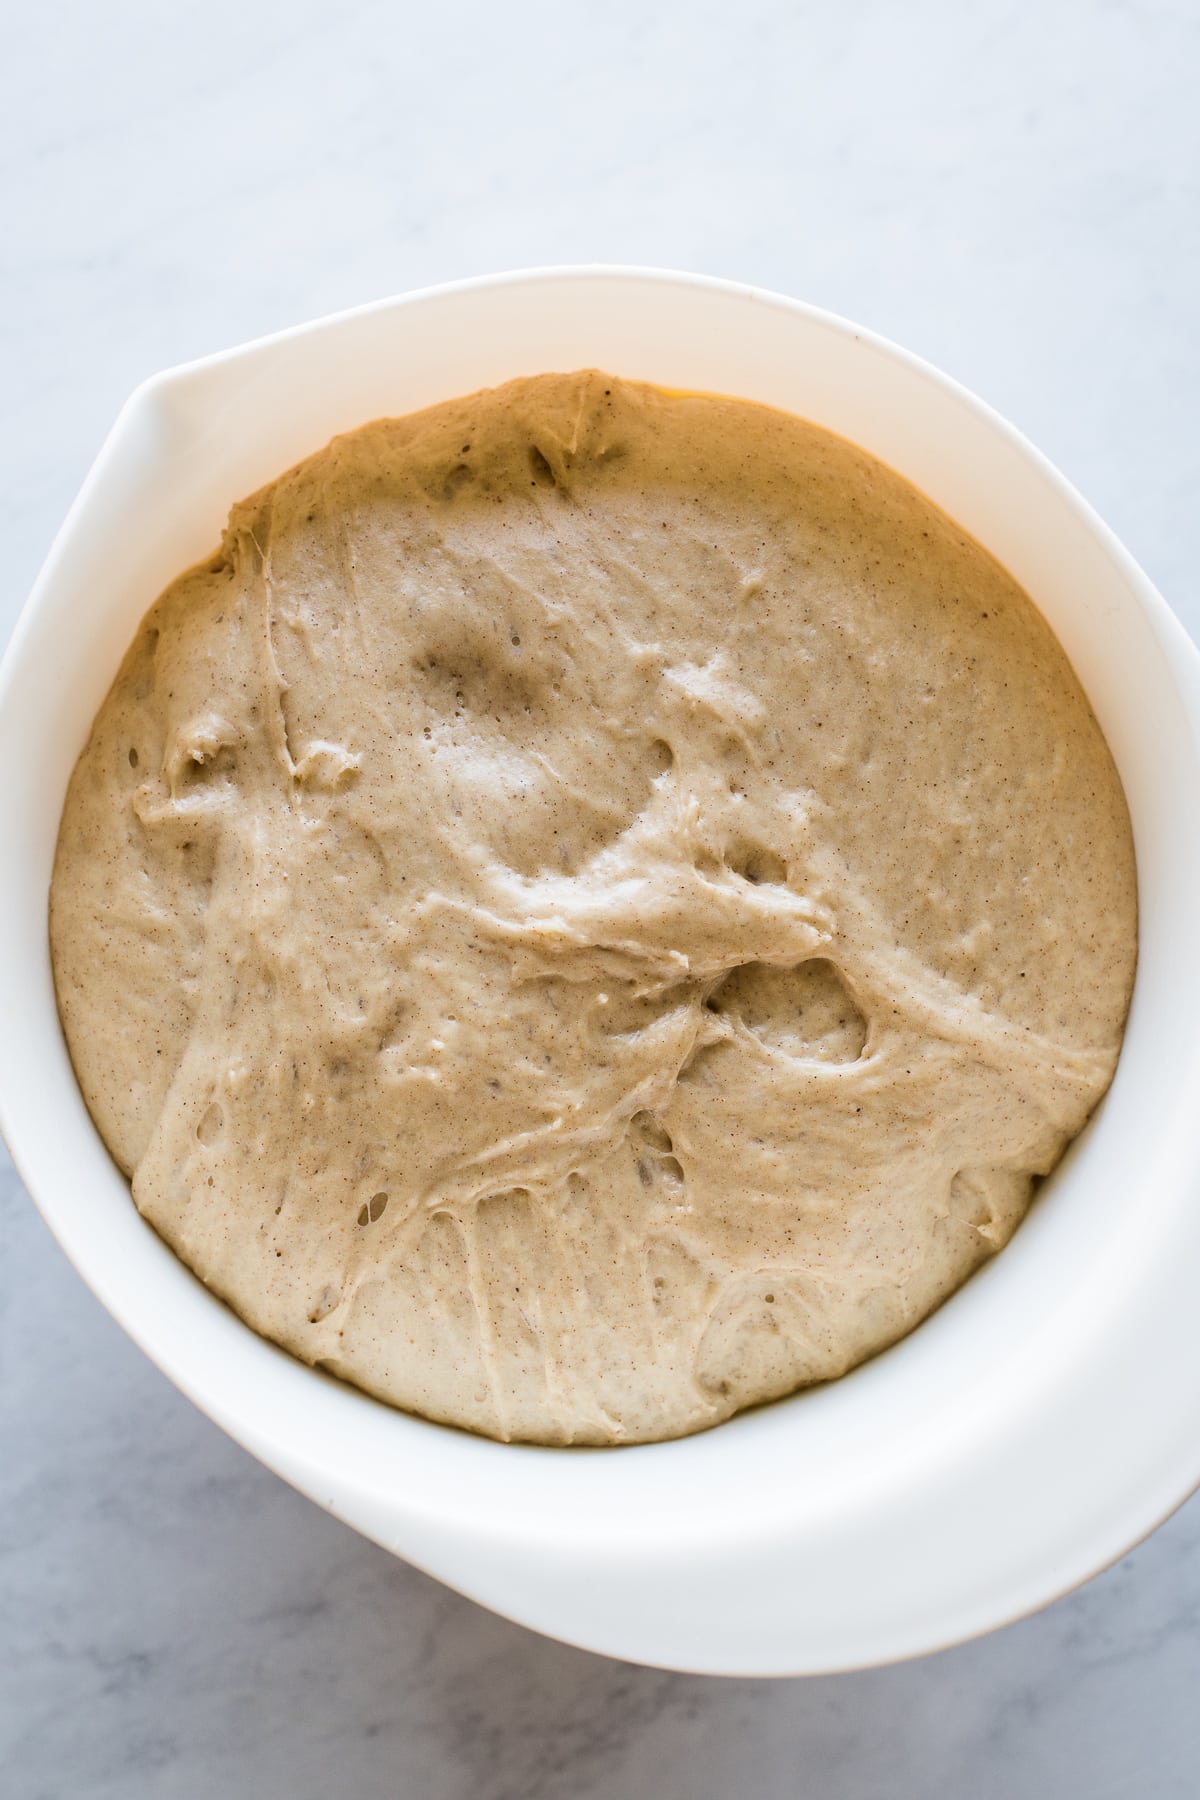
[{"x": 1009, "y": 190}]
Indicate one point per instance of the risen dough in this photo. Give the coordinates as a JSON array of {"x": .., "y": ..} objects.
[{"x": 592, "y": 910}]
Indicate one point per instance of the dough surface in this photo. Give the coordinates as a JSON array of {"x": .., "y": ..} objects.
[{"x": 592, "y": 910}]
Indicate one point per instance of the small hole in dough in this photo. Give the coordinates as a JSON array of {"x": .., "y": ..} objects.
[
  {"x": 210, "y": 1126},
  {"x": 133, "y": 757},
  {"x": 539, "y": 468},
  {"x": 661, "y": 757},
  {"x": 456, "y": 479},
  {"x": 758, "y": 865},
  {"x": 206, "y": 765},
  {"x": 327, "y": 1301},
  {"x": 650, "y": 1131}
]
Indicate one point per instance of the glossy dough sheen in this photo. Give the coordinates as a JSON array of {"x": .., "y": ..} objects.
[{"x": 592, "y": 910}]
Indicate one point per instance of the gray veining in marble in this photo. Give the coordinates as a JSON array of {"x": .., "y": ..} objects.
[{"x": 1009, "y": 189}]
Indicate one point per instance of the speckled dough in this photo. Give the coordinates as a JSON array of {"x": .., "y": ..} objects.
[{"x": 592, "y": 910}]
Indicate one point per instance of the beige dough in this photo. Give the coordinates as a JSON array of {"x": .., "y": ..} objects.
[{"x": 592, "y": 910}]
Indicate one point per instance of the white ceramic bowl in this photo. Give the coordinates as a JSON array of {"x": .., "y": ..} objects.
[{"x": 1029, "y": 1433}]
